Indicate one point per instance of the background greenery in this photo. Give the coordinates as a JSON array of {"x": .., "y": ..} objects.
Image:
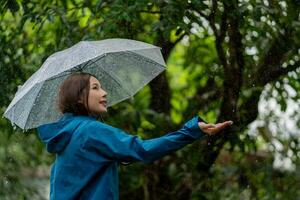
[{"x": 225, "y": 58}]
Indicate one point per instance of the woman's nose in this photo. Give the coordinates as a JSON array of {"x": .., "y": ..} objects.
[{"x": 104, "y": 93}]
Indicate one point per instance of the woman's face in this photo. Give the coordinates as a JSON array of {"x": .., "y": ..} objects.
[{"x": 97, "y": 97}]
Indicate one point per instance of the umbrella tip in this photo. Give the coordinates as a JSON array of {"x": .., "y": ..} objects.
[{"x": 13, "y": 125}]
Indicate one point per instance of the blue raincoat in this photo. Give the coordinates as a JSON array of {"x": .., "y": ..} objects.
[{"x": 88, "y": 153}]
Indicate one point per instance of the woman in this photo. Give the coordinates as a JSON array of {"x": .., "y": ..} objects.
[{"x": 88, "y": 152}]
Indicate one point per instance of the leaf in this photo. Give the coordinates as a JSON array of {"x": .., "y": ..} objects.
[{"x": 13, "y": 6}]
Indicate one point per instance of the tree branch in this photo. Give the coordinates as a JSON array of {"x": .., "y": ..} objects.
[{"x": 219, "y": 36}]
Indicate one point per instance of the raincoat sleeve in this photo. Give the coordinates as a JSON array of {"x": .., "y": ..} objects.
[{"x": 115, "y": 144}]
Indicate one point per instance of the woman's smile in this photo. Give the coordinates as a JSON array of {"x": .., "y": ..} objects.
[{"x": 103, "y": 103}]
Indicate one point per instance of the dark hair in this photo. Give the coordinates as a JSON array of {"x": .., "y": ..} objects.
[{"x": 75, "y": 87}]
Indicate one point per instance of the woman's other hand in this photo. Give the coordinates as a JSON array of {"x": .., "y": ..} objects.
[{"x": 212, "y": 129}]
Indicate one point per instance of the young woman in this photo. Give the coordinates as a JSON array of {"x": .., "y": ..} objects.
[{"x": 88, "y": 151}]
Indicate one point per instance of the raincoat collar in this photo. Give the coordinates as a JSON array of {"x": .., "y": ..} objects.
[{"x": 67, "y": 115}]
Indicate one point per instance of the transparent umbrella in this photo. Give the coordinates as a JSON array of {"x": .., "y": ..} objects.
[{"x": 122, "y": 66}]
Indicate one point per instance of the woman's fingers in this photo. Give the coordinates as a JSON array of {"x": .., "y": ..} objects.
[
  {"x": 223, "y": 125},
  {"x": 214, "y": 128}
]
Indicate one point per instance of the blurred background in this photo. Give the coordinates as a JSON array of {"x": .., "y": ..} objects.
[{"x": 226, "y": 60}]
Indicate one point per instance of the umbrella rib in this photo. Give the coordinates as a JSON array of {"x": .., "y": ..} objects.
[
  {"x": 100, "y": 57},
  {"x": 33, "y": 105},
  {"x": 109, "y": 74},
  {"x": 89, "y": 61},
  {"x": 116, "y": 80},
  {"x": 146, "y": 59},
  {"x": 77, "y": 68},
  {"x": 96, "y": 60}
]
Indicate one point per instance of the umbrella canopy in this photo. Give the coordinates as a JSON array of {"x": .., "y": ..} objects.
[{"x": 122, "y": 66}]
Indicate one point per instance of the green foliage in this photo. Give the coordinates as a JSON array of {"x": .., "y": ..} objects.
[{"x": 21, "y": 154}]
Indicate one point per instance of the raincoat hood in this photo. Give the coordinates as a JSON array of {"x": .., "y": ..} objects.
[{"x": 57, "y": 135}]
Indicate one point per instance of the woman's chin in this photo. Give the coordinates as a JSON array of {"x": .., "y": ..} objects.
[{"x": 103, "y": 110}]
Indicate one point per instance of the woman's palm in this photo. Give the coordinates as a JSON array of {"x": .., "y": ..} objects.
[{"x": 212, "y": 129}]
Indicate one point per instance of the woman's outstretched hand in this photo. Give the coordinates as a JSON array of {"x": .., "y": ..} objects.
[{"x": 212, "y": 129}]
